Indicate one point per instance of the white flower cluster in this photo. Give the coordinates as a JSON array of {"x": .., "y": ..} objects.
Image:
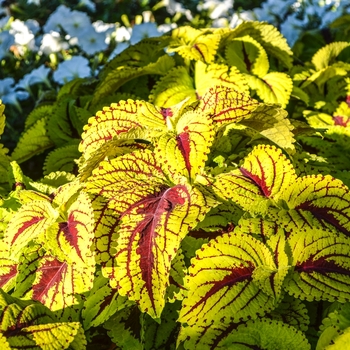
[{"x": 66, "y": 29}]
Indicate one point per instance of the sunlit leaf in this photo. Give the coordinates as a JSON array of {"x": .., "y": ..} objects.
[
  {"x": 325, "y": 56},
  {"x": 221, "y": 280},
  {"x": 27, "y": 223},
  {"x": 149, "y": 237},
  {"x": 194, "y": 44},
  {"x": 321, "y": 266}
]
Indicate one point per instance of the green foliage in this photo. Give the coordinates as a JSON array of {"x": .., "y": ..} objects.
[{"x": 195, "y": 195}]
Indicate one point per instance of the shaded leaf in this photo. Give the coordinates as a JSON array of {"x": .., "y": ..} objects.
[{"x": 32, "y": 142}]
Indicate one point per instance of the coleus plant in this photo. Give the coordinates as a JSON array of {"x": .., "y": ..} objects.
[{"x": 192, "y": 217}]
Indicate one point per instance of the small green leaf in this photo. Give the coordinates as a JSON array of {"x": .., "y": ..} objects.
[
  {"x": 33, "y": 141},
  {"x": 326, "y": 56}
]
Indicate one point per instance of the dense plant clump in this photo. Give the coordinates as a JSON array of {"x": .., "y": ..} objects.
[{"x": 192, "y": 195}]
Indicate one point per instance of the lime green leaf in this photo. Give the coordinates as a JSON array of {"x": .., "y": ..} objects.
[
  {"x": 124, "y": 328},
  {"x": 101, "y": 303},
  {"x": 272, "y": 122},
  {"x": 8, "y": 268},
  {"x": 185, "y": 151},
  {"x": 207, "y": 76},
  {"x": 27, "y": 223},
  {"x": 4, "y": 167},
  {"x": 176, "y": 289},
  {"x": 274, "y": 87},
  {"x": 321, "y": 266},
  {"x": 40, "y": 112},
  {"x": 293, "y": 312},
  {"x": 161, "y": 335},
  {"x": 173, "y": 88},
  {"x": 248, "y": 56},
  {"x": 28, "y": 324},
  {"x": 32, "y": 142},
  {"x": 221, "y": 279},
  {"x": 149, "y": 237},
  {"x": 62, "y": 159},
  {"x": 255, "y": 334},
  {"x": 136, "y": 61},
  {"x": 226, "y": 105},
  {"x": 326, "y": 56},
  {"x": 194, "y": 44}
]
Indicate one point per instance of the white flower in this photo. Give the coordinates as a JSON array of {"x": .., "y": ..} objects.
[
  {"x": 92, "y": 42},
  {"x": 238, "y": 18},
  {"x": 174, "y": 7},
  {"x": 76, "y": 23},
  {"x": 120, "y": 48},
  {"x": 217, "y": 8},
  {"x": 143, "y": 30},
  {"x": 122, "y": 34},
  {"x": 107, "y": 28},
  {"x": 23, "y": 36},
  {"x": 164, "y": 28},
  {"x": 57, "y": 19},
  {"x": 38, "y": 75},
  {"x": 77, "y": 67},
  {"x": 52, "y": 42},
  {"x": 9, "y": 95},
  {"x": 6, "y": 41},
  {"x": 89, "y": 4}
]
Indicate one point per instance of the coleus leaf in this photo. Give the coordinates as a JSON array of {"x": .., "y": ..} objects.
[
  {"x": 194, "y": 44},
  {"x": 221, "y": 279},
  {"x": 173, "y": 88},
  {"x": 269, "y": 37},
  {"x": 158, "y": 64},
  {"x": 70, "y": 240},
  {"x": 161, "y": 335},
  {"x": 62, "y": 159},
  {"x": 127, "y": 179},
  {"x": 209, "y": 75},
  {"x": 185, "y": 151},
  {"x": 27, "y": 223},
  {"x": 321, "y": 266},
  {"x": 247, "y": 55},
  {"x": 55, "y": 284},
  {"x": 123, "y": 120},
  {"x": 33, "y": 141},
  {"x": 264, "y": 174},
  {"x": 28, "y": 324},
  {"x": 255, "y": 334},
  {"x": 272, "y": 122},
  {"x": 316, "y": 200},
  {"x": 293, "y": 312},
  {"x": 101, "y": 303},
  {"x": 335, "y": 329},
  {"x": 8, "y": 268},
  {"x": 106, "y": 234},
  {"x": 124, "y": 328},
  {"x": 274, "y": 87},
  {"x": 325, "y": 56},
  {"x": 226, "y": 105},
  {"x": 150, "y": 234}
]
